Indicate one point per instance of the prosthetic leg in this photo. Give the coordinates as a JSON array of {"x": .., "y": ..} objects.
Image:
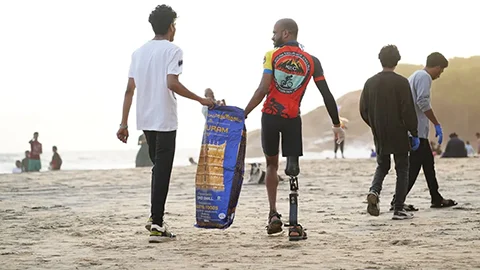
[{"x": 296, "y": 231}]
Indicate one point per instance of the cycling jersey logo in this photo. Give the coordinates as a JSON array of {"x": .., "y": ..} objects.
[{"x": 291, "y": 71}]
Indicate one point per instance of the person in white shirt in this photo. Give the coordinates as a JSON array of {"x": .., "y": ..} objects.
[
  {"x": 470, "y": 150},
  {"x": 154, "y": 72},
  {"x": 18, "y": 167}
]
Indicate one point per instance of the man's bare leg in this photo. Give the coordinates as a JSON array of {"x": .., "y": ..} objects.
[{"x": 271, "y": 183}]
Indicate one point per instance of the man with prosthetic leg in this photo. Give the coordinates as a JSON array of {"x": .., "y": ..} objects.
[{"x": 287, "y": 72}]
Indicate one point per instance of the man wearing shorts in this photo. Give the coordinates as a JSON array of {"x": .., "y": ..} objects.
[
  {"x": 287, "y": 72},
  {"x": 34, "y": 163},
  {"x": 154, "y": 71}
]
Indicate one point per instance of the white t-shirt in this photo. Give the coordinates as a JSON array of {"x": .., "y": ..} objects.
[{"x": 156, "y": 104}]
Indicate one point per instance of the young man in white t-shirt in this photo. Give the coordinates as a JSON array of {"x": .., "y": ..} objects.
[{"x": 154, "y": 71}]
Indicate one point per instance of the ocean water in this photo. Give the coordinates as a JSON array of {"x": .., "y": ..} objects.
[{"x": 122, "y": 159}]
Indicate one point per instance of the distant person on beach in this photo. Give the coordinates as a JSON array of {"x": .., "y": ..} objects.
[
  {"x": 192, "y": 161},
  {"x": 478, "y": 142},
  {"x": 154, "y": 71},
  {"x": 341, "y": 145},
  {"x": 373, "y": 154},
  {"x": 25, "y": 161},
  {"x": 470, "y": 150},
  {"x": 209, "y": 94},
  {"x": 455, "y": 148},
  {"x": 143, "y": 158},
  {"x": 420, "y": 84},
  {"x": 56, "y": 162},
  {"x": 286, "y": 73},
  {"x": 34, "y": 163},
  {"x": 386, "y": 106},
  {"x": 18, "y": 167}
]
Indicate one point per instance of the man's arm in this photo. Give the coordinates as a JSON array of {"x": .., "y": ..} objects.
[
  {"x": 127, "y": 101},
  {"x": 407, "y": 108},
  {"x": 322, "y": 86},
  {"x": 422, "y": 87},
  {"x": 174, "y": 69},
  {"x": 260, "y": 93},
  {"x": 364, "y": 104},
  {"x": 176, "y": 86},
  {"x": 264, "y": 86}
]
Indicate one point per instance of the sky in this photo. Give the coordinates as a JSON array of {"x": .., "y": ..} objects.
[{"x": 64, "y": 64}]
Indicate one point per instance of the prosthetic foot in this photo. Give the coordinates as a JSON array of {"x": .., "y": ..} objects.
[{"x": 296, "y": 231}]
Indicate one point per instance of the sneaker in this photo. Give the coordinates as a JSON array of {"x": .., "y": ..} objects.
[
  {"x": 149, "y": 223},
  {"x": 160, "y": 234},
  {"x": 373, "y": 207},
  {"x": 402, "y": 214}
]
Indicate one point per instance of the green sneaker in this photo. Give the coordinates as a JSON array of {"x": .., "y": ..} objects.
[
  {"x": 160, "y": 234},
  {"x": 149, "y": 224}
]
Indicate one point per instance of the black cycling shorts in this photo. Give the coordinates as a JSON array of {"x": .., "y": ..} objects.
[{"x": 291, "y": 130}]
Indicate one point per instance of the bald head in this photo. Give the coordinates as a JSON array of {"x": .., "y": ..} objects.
[{"x": 289, "y": 25}]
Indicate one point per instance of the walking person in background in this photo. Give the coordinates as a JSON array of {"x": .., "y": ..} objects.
[
  {"x": 386, "y": 106},
  {"x": 34, "y": 163},
  {"x": 420, "y": 84},
  {"x": 341, "y": 145}
]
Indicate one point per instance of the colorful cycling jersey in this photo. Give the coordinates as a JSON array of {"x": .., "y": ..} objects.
[{"x": 292, "y": 69}]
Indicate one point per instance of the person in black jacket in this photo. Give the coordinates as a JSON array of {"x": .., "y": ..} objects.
[{"x": 386, "y": 106}]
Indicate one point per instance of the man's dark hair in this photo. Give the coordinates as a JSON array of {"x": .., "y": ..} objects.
[
  {"x": 437, "y": 59},
  {"x": 161, "y": 18},
  {"x": 389, "y": 56},
  {"x": 54, "y": 148},
  {"x": 35, "y": 133}
]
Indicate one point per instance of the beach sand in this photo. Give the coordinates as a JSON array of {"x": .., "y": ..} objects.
[{"x": 95, "y": 220}]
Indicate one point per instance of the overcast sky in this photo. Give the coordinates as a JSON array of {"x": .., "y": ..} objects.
[{"x": 64, "y": 64}]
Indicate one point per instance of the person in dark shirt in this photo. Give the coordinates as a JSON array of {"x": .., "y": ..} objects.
[
  {"x": 143, "y": 157},
  {"x": 287, "y": 70},
  {"x": 455, "y": 148},
  {"x": 386, "y": 106},
  {"x": 25, "y": 161},
  {"x": 56, "y": 162}
]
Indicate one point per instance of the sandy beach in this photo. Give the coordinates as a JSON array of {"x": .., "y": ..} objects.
[{"x": 95, "y": 220}]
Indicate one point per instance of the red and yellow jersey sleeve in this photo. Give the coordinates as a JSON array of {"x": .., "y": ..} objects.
[{"x": 267, "y": 62}]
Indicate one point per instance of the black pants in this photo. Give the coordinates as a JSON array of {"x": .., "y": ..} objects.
[
  {"x": 161, "y": 146},
  {"x": 401, "y": 167},
  {"x": 423, "y": 158}
]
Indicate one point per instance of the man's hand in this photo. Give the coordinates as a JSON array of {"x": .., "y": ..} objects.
[
  {"x": 122, "y": 134},
  {"x": 415, "y": 143},
  {"x": 339, "y": 134},
  {"x": 439, "y": 133},
  {"x": 210, "y": 103}
]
